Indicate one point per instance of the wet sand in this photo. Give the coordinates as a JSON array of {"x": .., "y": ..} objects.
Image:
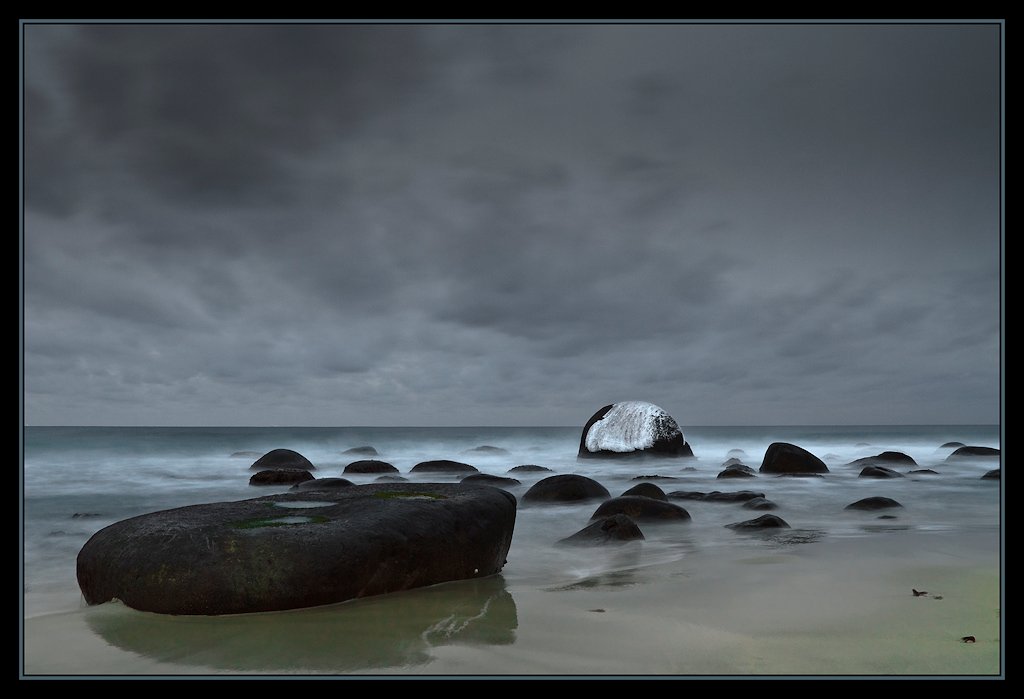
[{"x": 837, "y": 607}]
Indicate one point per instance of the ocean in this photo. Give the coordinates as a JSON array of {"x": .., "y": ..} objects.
[{"x": 692, "y": 599}]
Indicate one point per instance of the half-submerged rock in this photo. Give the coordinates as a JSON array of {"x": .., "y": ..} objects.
[
  {"x": 762, "y": 522},
  {"x": 568, "y": 487},
  {"x": 965, "y": 453},
  {"x": 280, "y": 476},
  {"x": 641, "y": 509},
  {"x": 873, "y": 503},
  {"x": 785, "y": 458},
  {"x": 299, "y": 549},
  {"x": 632, "y": 428},
  {"x": 282, "y": 458},
  {"x": 617, "y": 529}
]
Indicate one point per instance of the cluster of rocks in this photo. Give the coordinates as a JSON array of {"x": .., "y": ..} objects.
[{"x": 327, "y": 540}]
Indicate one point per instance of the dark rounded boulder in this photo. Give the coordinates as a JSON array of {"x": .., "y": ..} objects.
[
  {"x": 323, "y": 484},
  {"x": 873, "y": 503},
  {"x": 784, "y": 458},
  {"x": 967, "y": 453},
  {"x": 762, "y": 522},
  {"x": 282, "y": 458},
  {"x": 280, "y": 476},
  {"x": 877, "y": 471},
  {"x": 885, "y": 459},
  {"x": 737, "y": 470},
  {"x": 641, "y": 509},
  {"x": 487, "y": 450},
  {"x": 616, "y": 529},
  {"x": 370, "y": 466},
  {"x": 647, "y": 490},
  {"x": 993, "y": 475},
  {"x": 760, "y": 503},
  {"x": 488, "y": 479},
  {"x": 362, "y": 451},
  {"x": 632, "y": 428},
  {"x": 569, "y": 487},
  {"x": 299, "y": 549},
  {"x": 529, "y": 468},
  {"x": 443, "y": 466},
  {"x": 715, "y": 495}
]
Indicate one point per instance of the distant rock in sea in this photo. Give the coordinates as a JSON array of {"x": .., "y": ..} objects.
[
  {"x": 487, "y": 451},
  {"x": 647, "y": 490},
  {"x": 488, "y": 479},
  {"x": 443, "y": 466},
  {"x": 785, "y": 458},
  {"x": 529, "y": 468},
  {"x": 876, "y": 471},
  {"x": 363, "y": 451},
  {"x": 967, "y": 453},
  {"x": 280, "y": 476},
  {"x": 760, "y": 503},
  {"x": 632, "y": 428},
  {"x": 735, "y": 469},
  {"x": 642, "y": 509},
  {"x": 282, "y": 458},
  {"x": 370, "y": 466},
  {"x": 886, "y": 458},
  {"x": 762, "y": 522},
  {"x": 569, "y": 487},
  {"x": 715, "y": 495},
  {"x": 873, "y": 503}
]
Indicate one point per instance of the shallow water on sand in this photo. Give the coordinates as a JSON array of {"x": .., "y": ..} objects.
[{"x": 831, "y": 595}]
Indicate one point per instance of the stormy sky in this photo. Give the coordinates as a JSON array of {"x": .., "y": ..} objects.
[{"x": 511, "y": 224}]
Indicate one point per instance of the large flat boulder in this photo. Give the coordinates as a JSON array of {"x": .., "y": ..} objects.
[
  {"x": 298, "y": 549},
  {"x": 632, "y": 428}
]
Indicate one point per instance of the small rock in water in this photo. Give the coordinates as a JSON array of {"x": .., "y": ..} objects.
[
  {"x": 641, "y": 509},
  {"x": 443, "y": 466},
  {"x": 366, "y": 451},
  {"x": 647, "y": 490},
  {"x": 565, "y": 488},
  {"x": 616, "y": 529},
  {"x": 762, "y": 522},
  {"x": 784, "y": 458},
  {"x": 370, "y": 466},
  {"x": 282, "y": 458},
  {"x": 280, "y": 476},
  {"x": 873, "y": 503}
]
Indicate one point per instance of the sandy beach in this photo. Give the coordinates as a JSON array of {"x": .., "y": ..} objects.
[{"x": 843, "y": 607}]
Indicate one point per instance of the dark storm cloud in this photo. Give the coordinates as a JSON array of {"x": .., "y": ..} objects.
[
  {"x": 208, "y": 114},
  {"x": 514, "y": 223}
]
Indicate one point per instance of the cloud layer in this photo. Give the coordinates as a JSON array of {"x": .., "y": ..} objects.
[{"x": 511, "y": 224}]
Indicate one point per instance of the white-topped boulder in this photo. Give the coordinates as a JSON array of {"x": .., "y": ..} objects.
[{"x": 632, "y": 428}]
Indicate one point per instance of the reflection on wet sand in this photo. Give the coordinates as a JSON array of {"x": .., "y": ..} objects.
[{"x": 388, "y": 631}]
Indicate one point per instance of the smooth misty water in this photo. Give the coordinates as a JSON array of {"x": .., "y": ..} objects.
[{"x": 79, "y": 480}]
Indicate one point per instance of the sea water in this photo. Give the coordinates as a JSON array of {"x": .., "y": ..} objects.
[{"x": 77, "y": 480}]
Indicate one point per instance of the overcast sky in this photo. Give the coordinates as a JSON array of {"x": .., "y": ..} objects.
[{"x": 344, "y": 224}]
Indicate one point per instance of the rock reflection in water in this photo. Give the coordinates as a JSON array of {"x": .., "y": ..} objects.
[{"x": 388, "y": 631}]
